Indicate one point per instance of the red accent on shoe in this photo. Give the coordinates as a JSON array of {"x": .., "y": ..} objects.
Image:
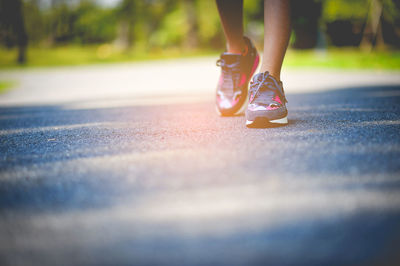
[
  {"x": 243, "y": 80},
  {"x": 255, "y": 65},
  {"x": 277, "y": 99}
]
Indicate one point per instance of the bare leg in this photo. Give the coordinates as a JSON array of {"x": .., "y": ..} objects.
[
  {"x": 276, "y": 35},
  {"x": 231, "y": 14}
]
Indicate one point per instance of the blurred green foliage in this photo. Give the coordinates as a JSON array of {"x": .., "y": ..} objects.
[
  {"x": 344, "y": 9},
  {"x": 357, "y": 10},
  {"x": 152, "y": 26},
  {"x": 90, "y": 54},
  {"x": 94, "y": 24},
  {"x": 6, "y": 85},
  {"x": 344, "y": 58},
  {"x": 165, "y": 23}
]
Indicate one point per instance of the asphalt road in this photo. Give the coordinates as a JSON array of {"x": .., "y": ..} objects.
[{"x": 159, "y": 179}]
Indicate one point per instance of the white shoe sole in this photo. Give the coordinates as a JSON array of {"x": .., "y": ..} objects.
[
  {"x": 239, "y": 112},
  {"x": 281, "y": 121}
]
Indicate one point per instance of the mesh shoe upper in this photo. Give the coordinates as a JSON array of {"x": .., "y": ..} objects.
[
  {"x": 267, "y": 98},
  {"x": 230, "y": 82}
]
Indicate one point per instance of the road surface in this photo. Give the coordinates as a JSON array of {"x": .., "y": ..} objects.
[{"x": 129, "y": 164}]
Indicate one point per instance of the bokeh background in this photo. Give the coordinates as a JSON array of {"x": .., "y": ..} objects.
[{"x": 71, "y": 32}]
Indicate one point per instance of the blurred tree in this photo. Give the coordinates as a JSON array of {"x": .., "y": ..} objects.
[
  {"x": 306, "y": 16},
  {"x": 344, "y": 21},
  {"x": 35, "y": 21},
  {"x": 128, "y": 13},
  {"x": 173, "y": 26},
  {"x": 61, "y": 22},
  {"x": 93, "y": 24},
  {"x": 209, "y": 33},
  {"x": 391, "y": 23},
  {"x": 12, "y": 27},
  {"x": 151, "y": 25},
  {"x": 191, "y": 40},
  {"x": 373, "y": 21}
]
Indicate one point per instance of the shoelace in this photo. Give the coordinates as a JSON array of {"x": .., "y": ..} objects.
[
  {"x": 231, "y": 74},
  {"x": 267, "y": 82}
]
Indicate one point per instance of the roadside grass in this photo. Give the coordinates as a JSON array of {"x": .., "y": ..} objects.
[
  {"x": 86, "y": 55},
  {"x": 6, "y": 85},
  {"x": 343, "y": 58}
]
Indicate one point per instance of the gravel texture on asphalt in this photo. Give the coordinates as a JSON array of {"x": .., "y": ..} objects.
[{"x": 175, "y": 184}]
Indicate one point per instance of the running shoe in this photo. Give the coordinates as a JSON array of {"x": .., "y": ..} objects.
[
  {"x": 236, "y": 72},
  {"x": 267, "y": 102}
]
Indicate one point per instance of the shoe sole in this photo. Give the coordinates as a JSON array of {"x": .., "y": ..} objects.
[
  {"x": 262, "y": 122},
  {"x": 239, "y": 112}
]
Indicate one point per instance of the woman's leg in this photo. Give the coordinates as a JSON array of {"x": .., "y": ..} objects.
[
  {"x": 276, "y": 35},
  {"x": 231, "y": 14}
]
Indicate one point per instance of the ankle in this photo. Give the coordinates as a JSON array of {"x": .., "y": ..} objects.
[
  {"x": 236, "y": 48},
  {"x": 275, "y": 74}
]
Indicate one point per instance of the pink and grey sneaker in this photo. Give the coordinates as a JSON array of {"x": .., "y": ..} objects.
[
  {"x": 267, "y": 103},
  {"x": 236, "y": 72}
]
